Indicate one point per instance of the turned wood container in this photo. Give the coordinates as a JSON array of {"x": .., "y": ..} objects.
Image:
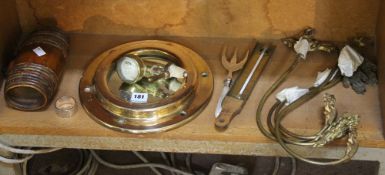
[{"x": 33, "y": 76}]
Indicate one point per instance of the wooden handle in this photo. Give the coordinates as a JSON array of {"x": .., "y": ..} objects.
[{"x": 230, "y": 108}]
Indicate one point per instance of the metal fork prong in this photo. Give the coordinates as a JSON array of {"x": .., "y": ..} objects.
[
  {"x": 244, "y": 58},
  {"x": 224, "y": 50},
  {"x": 232, "y": 65},
  {"x": 235, "y": 56}
]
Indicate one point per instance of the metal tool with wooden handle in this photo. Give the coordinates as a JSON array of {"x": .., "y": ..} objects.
[
  {"x": 231, "y": 66},
  {"x": 243, "y": 86}
]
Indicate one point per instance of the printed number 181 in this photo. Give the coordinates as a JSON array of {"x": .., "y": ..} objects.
[{"x": 139, "y": 97}]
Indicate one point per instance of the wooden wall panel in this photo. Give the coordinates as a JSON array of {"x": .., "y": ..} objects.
[
  {"x": 9, "y": 31},
  {"x": 263, "y": 19},
  {"x": 381, "y": 57}
]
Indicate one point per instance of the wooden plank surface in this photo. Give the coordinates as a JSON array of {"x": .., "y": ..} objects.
[
  {"x": 381, "y": 55},
  {"x": 271, "y": 19},
  {"x": 9, "y": 31},
  {"x": 47, "y": 129}
]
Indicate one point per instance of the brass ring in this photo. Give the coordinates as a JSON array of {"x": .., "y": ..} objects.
[{"x": 113, "y": 112}]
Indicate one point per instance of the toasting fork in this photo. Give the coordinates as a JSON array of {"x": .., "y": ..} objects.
[{"x": 231, "y": 66}]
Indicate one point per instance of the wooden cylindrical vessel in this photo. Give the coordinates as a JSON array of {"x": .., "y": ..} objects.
[{"x": 33, "y": 77}]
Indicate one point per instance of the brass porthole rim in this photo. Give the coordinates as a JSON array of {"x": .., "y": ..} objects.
[
  {"x": 147, "y": 130},
  {"x": 204, "y": 85}
]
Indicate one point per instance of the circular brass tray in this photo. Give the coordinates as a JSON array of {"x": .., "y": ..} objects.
[{"x": 104, "y": 106}]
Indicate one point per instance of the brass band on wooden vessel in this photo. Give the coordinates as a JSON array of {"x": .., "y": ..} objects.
[{"x": 34, "y": 75}]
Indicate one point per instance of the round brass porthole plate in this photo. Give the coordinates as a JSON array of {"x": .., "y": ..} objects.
[{"x": 108, "y": 109}]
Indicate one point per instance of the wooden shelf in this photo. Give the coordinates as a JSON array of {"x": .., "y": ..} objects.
[{"x": 47, "y": 129}]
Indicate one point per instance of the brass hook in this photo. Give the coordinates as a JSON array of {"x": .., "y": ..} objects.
[{"x": 315, "y": 45}]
